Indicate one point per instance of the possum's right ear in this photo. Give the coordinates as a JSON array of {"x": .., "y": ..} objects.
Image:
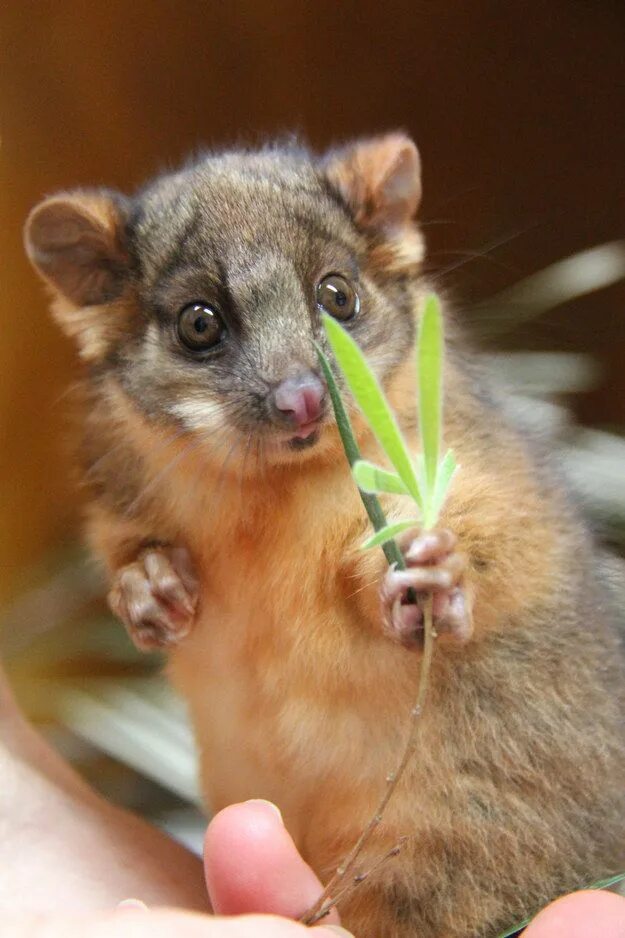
[{"x": 76, "y": 241}]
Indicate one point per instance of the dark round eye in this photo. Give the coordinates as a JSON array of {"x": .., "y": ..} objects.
[
  {"x": 200, "y": 326},
  {"x": 338, "y": 297}
]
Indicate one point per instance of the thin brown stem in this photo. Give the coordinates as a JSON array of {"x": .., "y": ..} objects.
[
  {"x": 335, "y": 889},
  {"x": 353, "y": 884}
]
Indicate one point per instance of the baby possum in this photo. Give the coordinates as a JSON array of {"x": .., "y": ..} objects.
[{"x": 223, "y": 508}]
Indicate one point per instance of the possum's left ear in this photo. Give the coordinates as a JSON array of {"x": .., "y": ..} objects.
[
  {"x": 379, "y": 179},
  {"x": 76, "y": 241}
]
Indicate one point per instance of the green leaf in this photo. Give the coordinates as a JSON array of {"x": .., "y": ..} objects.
[
  {"x": 516, "y": 929},
  {"x": 429, "y": 370},
  {"x": 342, "y": 420},
  {"x": 607, "y": 883},
  {"x": 352, "y": 452},
  {"x": 370, "y": 478},
  {"x": 369, "y": 397},
  {"x": 444, "y": 474},
  {"x": 388, "y": 533}
]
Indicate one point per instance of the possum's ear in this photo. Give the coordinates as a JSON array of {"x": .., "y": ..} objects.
[
  {"x": 379, "y": 179},
  {"x": 75, "y": 240}
]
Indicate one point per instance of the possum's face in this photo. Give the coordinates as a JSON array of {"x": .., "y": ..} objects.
[{"x": 201, "y": 299}]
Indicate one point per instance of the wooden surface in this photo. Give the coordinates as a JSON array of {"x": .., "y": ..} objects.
[{"x": 517, "y": 109}]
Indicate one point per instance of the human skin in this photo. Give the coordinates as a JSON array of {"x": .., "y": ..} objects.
[
  {"x": 581, "y": 915},
  {"x": 66, "y": 855}
]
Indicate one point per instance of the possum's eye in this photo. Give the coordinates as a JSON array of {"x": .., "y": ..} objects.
[
  {"x": 200, "y": 326},
  {"x": 337, "y": 296}
]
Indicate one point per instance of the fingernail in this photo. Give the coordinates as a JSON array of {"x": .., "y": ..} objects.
[
  {"x": 267, "y": 804},
  {"x": 337, "y": 930},
  {"x": 134, "y": 904}
]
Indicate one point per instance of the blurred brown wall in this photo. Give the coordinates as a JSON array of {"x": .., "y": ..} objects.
[{"x": 517, "y": 107}]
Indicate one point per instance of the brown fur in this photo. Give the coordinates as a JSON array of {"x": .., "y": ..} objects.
[{"x": 517, "y": 791}]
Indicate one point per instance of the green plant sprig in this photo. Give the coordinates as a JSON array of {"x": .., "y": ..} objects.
[
  {"x": 425, "y": 480},
  {"x": 352, "y": 451}
]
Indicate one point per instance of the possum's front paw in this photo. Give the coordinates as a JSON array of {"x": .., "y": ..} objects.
[
  {"x": 156, "y": 596},
  {"x": 433, "y": 566}
]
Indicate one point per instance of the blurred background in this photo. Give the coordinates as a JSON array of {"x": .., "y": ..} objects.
[{"x": 517, "y": 108}]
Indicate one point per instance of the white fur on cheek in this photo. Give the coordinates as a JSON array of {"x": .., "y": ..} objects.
[
  {"x": 152, "y": 344},
  {"x": 197, "y": 415}
]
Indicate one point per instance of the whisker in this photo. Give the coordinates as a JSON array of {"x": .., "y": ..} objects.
[
  {"x": 364, "y": 587},
  {"x": 164, "y": 472},
  {"x": 488, "y": 249},
  {"x": 246, "y": 454},
  {"x": 154, "y": 451}
]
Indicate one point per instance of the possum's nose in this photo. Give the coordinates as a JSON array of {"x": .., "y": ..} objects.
[{"x": 300, "y": 398}]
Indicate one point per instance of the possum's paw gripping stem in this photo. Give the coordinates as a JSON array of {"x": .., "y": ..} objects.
[{"x": 432, "y": 566}]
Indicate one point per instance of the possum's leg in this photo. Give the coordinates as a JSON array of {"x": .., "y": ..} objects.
[
  {"x": 433, "y": 565},
  {"x": 153, "y": 585},
  {"x": 156, "y": 596}
]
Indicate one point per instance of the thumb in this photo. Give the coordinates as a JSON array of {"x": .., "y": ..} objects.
[
  {"x": 581, "y": 915},
  {"x": 252, "y": 864}
]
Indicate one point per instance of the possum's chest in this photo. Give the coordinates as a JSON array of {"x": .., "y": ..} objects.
[{"x": 272, "y": 677}]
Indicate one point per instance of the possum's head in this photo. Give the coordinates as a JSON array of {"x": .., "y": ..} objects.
[{"x": 200, "y": 298}]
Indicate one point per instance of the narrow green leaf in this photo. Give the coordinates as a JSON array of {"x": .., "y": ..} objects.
[
  {"x": 372, "y": 479},
  {"x": 607, "y": 883},
  {"x": 352, "y": 452},
  {"x": 419, "y": 468},
  {"x": 444, "y": 474},
  {"x": 389, "y": 532},
  {"x": 342, "y": 420},
  {"x": 517, "y": 928},
  {"x": 429, "y": 370},
  {"x": 369, "y": 397}
]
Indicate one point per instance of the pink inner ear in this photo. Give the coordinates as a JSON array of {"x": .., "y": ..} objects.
[
  {"x": 380, "y": 179},
  {"x": 73, "y": 240},
  {"x": 401, "y": 186}
]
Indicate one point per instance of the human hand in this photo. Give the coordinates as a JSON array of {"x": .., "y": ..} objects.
[
  {"x": 251, "y": 866},
  {"x": 590, "y": 914}
]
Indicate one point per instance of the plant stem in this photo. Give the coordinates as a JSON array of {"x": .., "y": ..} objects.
[
  {"x": 359, "y": 879},
  {"x": 335, "y": 890},
  {"x": 331, "y": 894},
  {"x": 352, "y": 451}
]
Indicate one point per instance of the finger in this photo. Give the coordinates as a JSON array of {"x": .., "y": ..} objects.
[
  {"x": 252, "y": 864},
  {"x": 430, "y": 547},
  {"x": 159, "y": 923},
  {"x": 581, "y": 915}
]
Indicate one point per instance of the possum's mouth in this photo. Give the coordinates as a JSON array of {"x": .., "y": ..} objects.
[{"x": 305, "y": 441}]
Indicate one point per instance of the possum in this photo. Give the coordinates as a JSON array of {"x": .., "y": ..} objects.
[{"x": 221, "y": 504}]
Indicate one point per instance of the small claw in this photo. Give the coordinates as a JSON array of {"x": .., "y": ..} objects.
[
  {"x": 154, "y": 598},
  {"x": 165, "y": 582},
  {"x": 433, "y": 566},
  {"x": 431, "y": 547},
  {"x": 420, "y": 579},
  {"x": 406, "y": 624}
]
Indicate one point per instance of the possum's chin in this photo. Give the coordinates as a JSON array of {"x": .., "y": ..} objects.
[
  {"x": 284, "y": 449},
  {"x": 298, "y": 443}
]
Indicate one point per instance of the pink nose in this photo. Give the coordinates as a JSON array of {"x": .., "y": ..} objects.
[{"x": 300, "y": 398}]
